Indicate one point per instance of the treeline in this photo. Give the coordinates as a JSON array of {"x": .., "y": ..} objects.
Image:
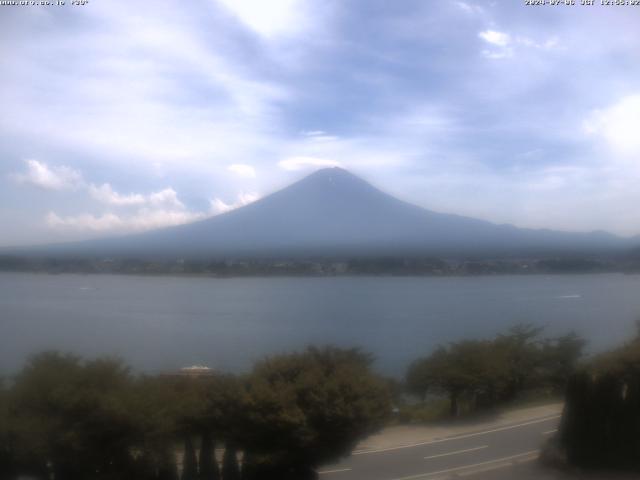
[
  {"x": 396, "y": 265},
  {"x": 480, "y": 374},
  {"x": 70, "y": 419},
  {"x": 600, "y": 427}
]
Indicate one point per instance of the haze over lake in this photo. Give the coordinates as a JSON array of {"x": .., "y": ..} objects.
[{"x": 160, "y": 323}]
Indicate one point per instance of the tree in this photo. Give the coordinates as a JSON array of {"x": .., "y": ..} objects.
[
  {"x": 600, "y": 425},
  {"x": 418, "y": 380},
  {"x": 208, "y": 466},
  {"x": 308, "y": 408},
  {"x": 520, "y": 351},
  {"x": 250, "y": 469},
  {"x": 483, "y": 373},
  {"x": 74, "y": 416},
  {"x": 167, "y": 468},
  {"x": 7, "y": 455},
  {"x": 189, "y": 461},
  {"x": 169, "y": 408},
  {"x": 156, "y": 410},
  {"x": 559, "y": 359},
  {"x": 230, "y": 469},
  {"x": 471, "y": 369}
]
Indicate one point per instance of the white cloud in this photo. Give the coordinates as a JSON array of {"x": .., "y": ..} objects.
[
  {"x": 87, "y": 221},
  {"x": 268, "y": 18},
  {"x": 319, "y": 136},
  {"x": 167, "y": 198},
  {"x": 504, "y": 45},
  {"x": 161, "y": 209},
  {"x": 501, "y": 43},
  {"x": 242, "y": 169},
  {"x": 219, "y": 206},
  {"x": 154, "y": 210},
  {"x": 528, "y": 42},
  {"x": 469, "y": 7},
  {"x": 388, "y": 143},
  {"x": 97, "y": 223},
  {"x": 133, "y": 93},
  {"x": 495, "y": 37},
  {"x": 497, "y": 54},
  {"x": 144, "y": 219},
  {"x": 50, "y": 178},
  {"x": 619, "y": 125},
  {"x": 105, "y": 194},
  {"x": 314, "y": 133},
  {"x": 300, "y": 163},
  {"x": 63, "y": 177}
]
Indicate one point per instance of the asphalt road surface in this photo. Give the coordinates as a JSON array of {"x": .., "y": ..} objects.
[{"x": 505, "y": 452}]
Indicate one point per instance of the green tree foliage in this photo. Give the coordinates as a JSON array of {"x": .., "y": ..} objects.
[
  {"x": 418, "y": 380},
  {"x": 559, "y": 359},
  {"x": 471, "y": 369},
  {"x": 309, "y": 408},
  {"x": 168, "y": 408},
  {"x": 157, "y": 412},
  {"x": 520, "y": 352},
  {"x": 73, "y": 416},
  {"x": 222, "y": 399},
  {"x": 71, "y": 419},
  {"x": 483, "y": 373}
]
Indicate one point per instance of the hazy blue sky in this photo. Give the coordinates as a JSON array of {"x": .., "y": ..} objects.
[{"x": 120, "y": 116}]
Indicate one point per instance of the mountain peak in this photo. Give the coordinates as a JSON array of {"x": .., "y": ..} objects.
[
  {"x": 332, "y": 173},
  {"x": 333, "y": 178},
  {"x": 329, "y": 170},
  {"x": 334, "y": 212}
]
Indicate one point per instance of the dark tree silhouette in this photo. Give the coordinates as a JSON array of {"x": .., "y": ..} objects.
[
  {"x": 208, "y": 464},
  {"x": 189, "y": 462},
  {"x": 601, "y": 422},
  {"x": 167, "y": 468},
  {"x": 230, "y": 468}
]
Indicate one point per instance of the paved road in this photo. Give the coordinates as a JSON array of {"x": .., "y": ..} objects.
[{"x": 494, "y": 453}]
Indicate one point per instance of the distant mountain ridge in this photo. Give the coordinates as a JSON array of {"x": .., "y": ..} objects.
[{"x": 335, "y": 213}]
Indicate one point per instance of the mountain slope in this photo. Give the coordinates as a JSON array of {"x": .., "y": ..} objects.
[{"x": 333, "y": 212}]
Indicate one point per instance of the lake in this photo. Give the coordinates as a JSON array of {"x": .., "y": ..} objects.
[{"x": 163, "y": 323}]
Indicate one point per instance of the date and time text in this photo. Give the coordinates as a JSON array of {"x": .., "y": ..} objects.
[{"x": 584, "y": 3}]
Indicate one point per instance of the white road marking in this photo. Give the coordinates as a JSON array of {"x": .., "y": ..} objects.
[
  {"x": 456, "y": 452},
  {"x": 549, "y": 432},
  {"x": 467, "y": 467},
  {"x": 459, "y": 437},
  {"x": 497, "y": 466},
  {"x": 337, "y": 470}
]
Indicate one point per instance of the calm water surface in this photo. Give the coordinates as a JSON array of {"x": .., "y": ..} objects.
[{"x": 158, "y": 323}]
